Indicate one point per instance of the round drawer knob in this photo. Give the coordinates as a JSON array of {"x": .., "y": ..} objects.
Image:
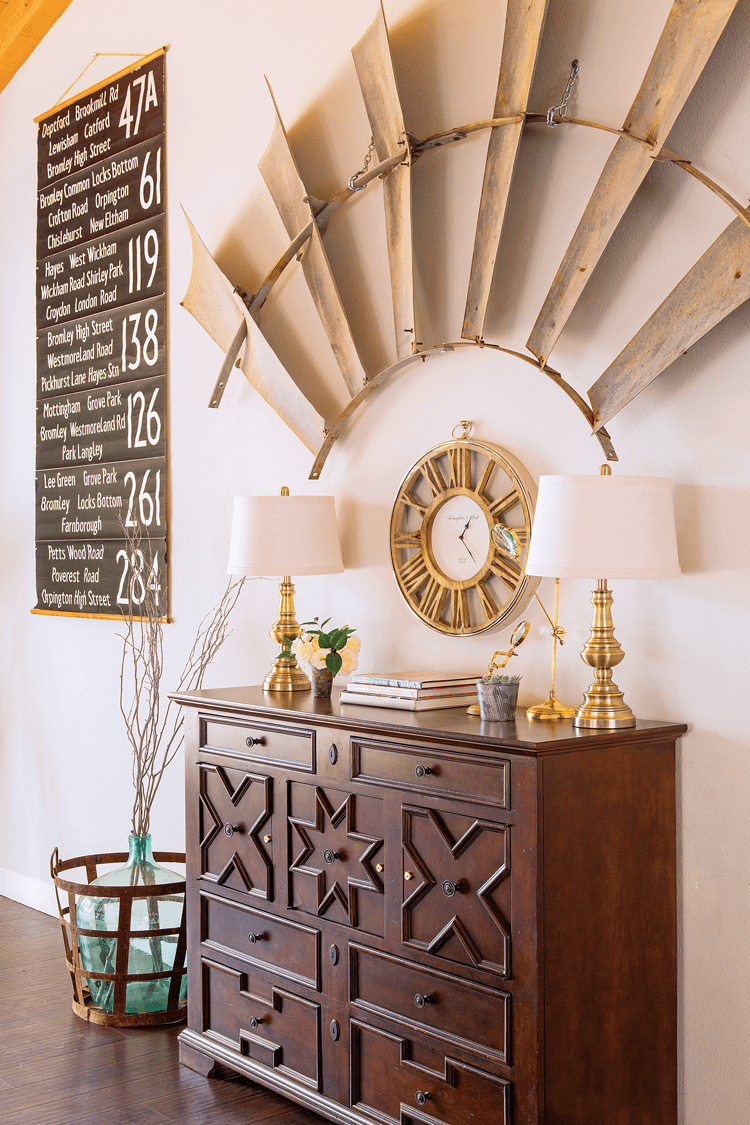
[
  {"x": 330, "y": 856},
  {"x": 230, "y": 829},
  {"x": 422, "y": 1097},
  {"x": 256, "y": 1021},
  {"x": 450, "y": 888},
  {"x": 267, "y": 839},
  {"x": 423, "y": 771},
  {"x": 421, "y": 999},
  {"x": 252, "y": 938},
  {"x": 250, "y": 741},
  {"x": 408, "y": 875},
  {"x": 379, "y": 868}
]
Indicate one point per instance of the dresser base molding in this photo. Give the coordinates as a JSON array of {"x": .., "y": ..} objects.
[{"x": 202, "y": 1056}]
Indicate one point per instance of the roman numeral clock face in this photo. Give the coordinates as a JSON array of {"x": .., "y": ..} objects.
[{"x": 451, "y": 570}]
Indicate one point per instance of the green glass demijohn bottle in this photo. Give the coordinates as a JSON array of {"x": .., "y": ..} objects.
[{"x": 146, "y": 954}]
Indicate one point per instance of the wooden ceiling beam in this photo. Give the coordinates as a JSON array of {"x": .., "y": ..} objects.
[{"x": 23, "y": 25}]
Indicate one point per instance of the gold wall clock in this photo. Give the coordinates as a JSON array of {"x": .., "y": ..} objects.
[{"x": 447, "y": 566}]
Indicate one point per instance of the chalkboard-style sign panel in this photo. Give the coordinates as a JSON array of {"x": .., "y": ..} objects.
[
  {"x": 103, "y": 274},
  {"x": 98, "y": 578},
  {"x": 108, "y": 424},
  {"x": 102, "y": 123},
  {"x": 118, "y": 192},
  {"x": 98, "y": 501},
  {"x": 101, "y": 350}
]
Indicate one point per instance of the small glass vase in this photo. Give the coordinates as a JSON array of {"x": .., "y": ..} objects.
[
  {"x": 146, "y": 954},
  {"x": 322, "y": 680}
]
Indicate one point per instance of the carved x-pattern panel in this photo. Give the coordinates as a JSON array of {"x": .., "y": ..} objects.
[
  {"x": 336, "y": 857},
  {"x": 460, "y": 906},
  {"x": 234, "y": 806}
]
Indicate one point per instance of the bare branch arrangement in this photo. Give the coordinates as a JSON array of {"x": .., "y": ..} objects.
[{"x": 155, "y": 737}]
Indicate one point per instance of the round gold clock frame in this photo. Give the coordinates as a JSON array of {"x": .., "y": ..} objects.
[{"x": 444, "y": 557}]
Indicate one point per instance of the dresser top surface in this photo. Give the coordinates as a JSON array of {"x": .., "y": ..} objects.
[{"x": 447, "y": 724}]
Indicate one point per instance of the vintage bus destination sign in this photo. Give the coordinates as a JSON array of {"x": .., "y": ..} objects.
[{"x": 101, "y": 348}]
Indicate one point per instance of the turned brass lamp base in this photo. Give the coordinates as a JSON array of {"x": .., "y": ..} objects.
[
  {"x": 285, "y": 674},
  {"x": 604, "y": 706}
]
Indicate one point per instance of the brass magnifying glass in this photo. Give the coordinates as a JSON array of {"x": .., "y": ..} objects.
[{"x": 517, "y": 637}]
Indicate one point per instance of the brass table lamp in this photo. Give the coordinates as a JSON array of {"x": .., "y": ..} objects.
[
  {"x": 590, "y": 526},
  {"x": 280, "y": 536}
]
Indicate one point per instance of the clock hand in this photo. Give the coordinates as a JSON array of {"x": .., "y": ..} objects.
[{"x": 468, "y": 548}]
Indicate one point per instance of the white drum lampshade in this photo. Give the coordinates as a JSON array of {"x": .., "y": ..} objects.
[
  {"x": 603, "y": 527},
  {"x": 280, "y": 536}
]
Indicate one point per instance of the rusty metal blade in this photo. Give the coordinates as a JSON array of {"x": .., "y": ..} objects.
[
  {"x": 524, "y": 21},
  {"x": 716, "y": 285},
  {"x": 279, "y": 170},
  {"x": 211, "y": 299},
  {"x": 377, "y": 81},
  {"x": 690, "y": 34}
]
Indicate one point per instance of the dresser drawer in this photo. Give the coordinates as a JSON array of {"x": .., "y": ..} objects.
[
  {"x": 262, "y": 1021},
  {"x": 266, "y": 941},
  {"x": 261, "y": 741},
  {"x": 455, "y": 1011},
  {"x": 388, "y": 1084},
  {"x": 438, "y": 771}
]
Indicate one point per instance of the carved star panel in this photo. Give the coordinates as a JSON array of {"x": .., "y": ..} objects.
[{"x": 334, "y": 845}]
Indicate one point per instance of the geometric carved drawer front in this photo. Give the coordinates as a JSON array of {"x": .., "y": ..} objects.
[
  {"x": 387, "y": 1084},
  {"x": 459, "y": 1012},
  {"x": 438, "y": 772},
  {"x": 262, "y": 1022},
  {"x": 457, "y": 901},
  {"x": 234, "y": 806},
  {"x": 335, "y": 840},
  {"x": 265, "y": 941}
]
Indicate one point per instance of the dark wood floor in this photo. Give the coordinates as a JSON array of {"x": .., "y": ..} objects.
[{"x": 57, "y": 1069}]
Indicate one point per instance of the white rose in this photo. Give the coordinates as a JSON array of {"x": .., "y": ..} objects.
[
  {"x": 318, "y": 658},
  {"x": 350, "y": 656},
  {"x": 304, "y": 648}
]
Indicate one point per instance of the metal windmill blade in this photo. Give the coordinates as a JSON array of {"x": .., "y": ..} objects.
[
  {"x": 716, "y": 285},
  {"x": 690, "y": 34},
  {"x": 523, "y": 30},
  {"x": 293, "y": 202},
  {"x": 377, "y": 81},
  {"x": 213, "y": 301}
]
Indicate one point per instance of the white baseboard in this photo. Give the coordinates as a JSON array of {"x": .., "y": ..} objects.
[{"x": 39, "y": 894}]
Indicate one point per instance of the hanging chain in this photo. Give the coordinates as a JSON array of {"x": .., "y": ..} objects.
[
  {"x": 358, "y": 175},
  {"x": 561, "y": 110}
]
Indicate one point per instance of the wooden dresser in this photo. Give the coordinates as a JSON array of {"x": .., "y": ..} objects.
[{"x": 417, "y": 918}]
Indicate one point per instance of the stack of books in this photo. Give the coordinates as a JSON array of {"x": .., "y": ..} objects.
[{"x": 411, "y": 691}]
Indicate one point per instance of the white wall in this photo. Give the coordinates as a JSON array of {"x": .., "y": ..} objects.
[{"x": 64, "y": 764}]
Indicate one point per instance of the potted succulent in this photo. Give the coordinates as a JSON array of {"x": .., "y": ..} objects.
[
  {"x": 324, "y": 653},
  {"x": 498, "y": 696}
]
